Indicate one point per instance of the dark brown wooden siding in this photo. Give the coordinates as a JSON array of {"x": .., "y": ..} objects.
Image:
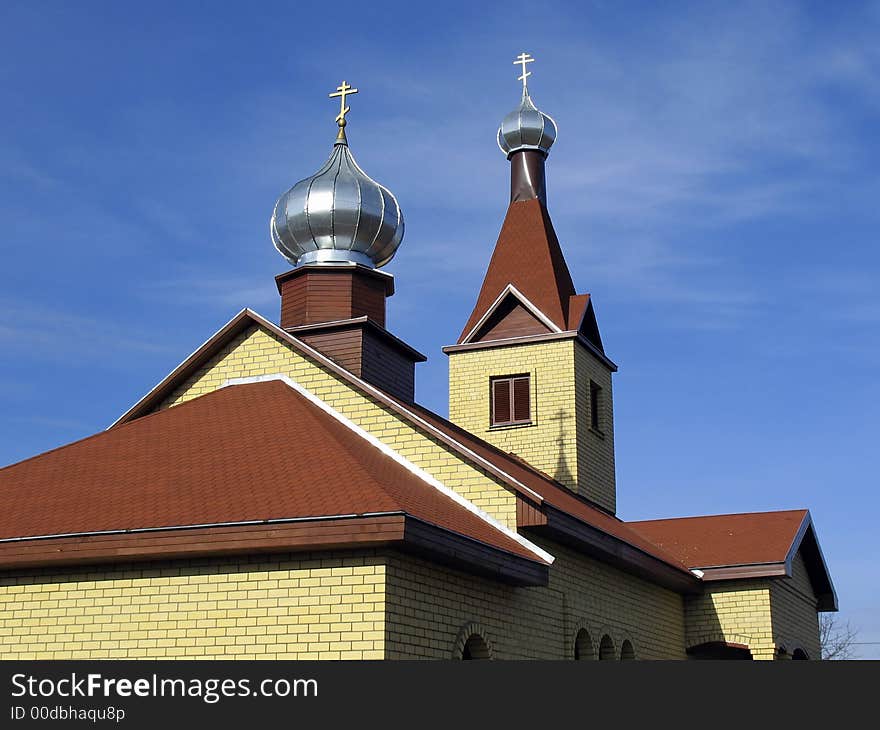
[
  {"x": 387, "y": 367},
  {"x": 321, "y": 295},
  {"x": 363, "y": 351},
  {"x": 511, "y": 319},
  {"x": 343, "y": 346},
  {"x": 528, "y": 514}
]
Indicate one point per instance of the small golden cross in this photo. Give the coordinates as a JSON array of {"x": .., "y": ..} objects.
[
  {"x": 342, "y": 91},
  {"x": 522, "y": 59}
]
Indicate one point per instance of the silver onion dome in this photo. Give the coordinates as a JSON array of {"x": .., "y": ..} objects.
[
  {"x": 339, "y": 214},
  {"x": 526, "y": 128}
]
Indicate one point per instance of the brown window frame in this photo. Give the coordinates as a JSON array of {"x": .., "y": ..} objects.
[
  {"x": 595, "y": 407},
  {"x": 512, "y": 403}
]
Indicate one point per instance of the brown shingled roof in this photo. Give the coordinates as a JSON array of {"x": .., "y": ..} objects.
[
  {"x": 507, "y": 467},
  {"x": 258, "y": 451},
  {"x": 528, "y": 256},
  {"x": 551, "y": 491},
  {"x": 723, "y": 540}
]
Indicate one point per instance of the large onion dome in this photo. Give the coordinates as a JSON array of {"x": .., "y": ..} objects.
[
  {"x": 526, "y": 128},
  {"x": 339, "y": 214}
]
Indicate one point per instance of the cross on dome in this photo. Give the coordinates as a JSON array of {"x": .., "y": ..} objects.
[
  {"x": 521, "y": 60},
  {"x": 343, "y": 90}
]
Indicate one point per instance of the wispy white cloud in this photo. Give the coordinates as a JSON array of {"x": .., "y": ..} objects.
[{"x": 54, "y": 334}]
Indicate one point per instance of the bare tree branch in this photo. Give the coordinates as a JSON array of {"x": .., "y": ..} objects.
[{"x": 836, "y": 639}]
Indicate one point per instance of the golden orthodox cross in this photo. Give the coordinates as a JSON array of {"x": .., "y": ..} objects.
[
  {"x": 522, "y": 59},
  {"x": 343, "y": 90}
]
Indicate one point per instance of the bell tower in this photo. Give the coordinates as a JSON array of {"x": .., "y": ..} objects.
[{"x": 529, "y": 373}]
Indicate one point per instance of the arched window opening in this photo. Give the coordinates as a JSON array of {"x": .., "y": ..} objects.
[
  {"x": 475, "y": 648},
  {"x": 606, "y": 648},
  {"x": 627, "y": 653},
  {"x": 583, "y": 646},
  {"x": 799, "y": 654}
]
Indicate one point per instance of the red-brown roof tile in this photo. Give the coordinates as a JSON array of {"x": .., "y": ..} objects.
[
  {"x": 724, "y": 540},
  {"x": 528, "y": 256},
  {"x": 551, "y": 491},
  {"x": 247, "y": 452}
]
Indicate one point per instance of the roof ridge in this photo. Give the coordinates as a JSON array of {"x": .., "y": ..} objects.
[{"x": 723, "y": 514}]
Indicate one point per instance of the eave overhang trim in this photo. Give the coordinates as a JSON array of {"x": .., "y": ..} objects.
[
  {"x": 805, "y": 539},
  {"x": 396, "y": 530},
  {"x": 591, "y": 540}
]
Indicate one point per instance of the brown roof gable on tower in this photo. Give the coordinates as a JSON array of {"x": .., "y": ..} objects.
[{"x": 529, "y": 257}]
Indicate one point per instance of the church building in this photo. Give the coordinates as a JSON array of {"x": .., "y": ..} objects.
[{"x": 282, "y": 495}]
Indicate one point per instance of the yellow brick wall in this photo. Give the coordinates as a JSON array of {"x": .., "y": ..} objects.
[
  {"x": 737, "y": 612},
  {"x": 428, "y": 604},
  {"x": 281, "y": 607},
  {"x": 259, "y": 352},
  {"x": 793, "y": 609},
  {"x": 559, "y": 440},
  {"x": 550, "y": 442},
  {"x": 595, "y": 451}
]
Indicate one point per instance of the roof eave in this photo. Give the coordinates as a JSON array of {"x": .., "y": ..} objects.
[
  {"x": 399, "y": 531},
  {"x": 607, "y": 548},
  {"x": 533, "y": 339},
  {"x": 817, "y": 569}
]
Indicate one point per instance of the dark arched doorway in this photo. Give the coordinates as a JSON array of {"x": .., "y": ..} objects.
[
  {"x": 583, "y": 646},
  {"x": 475, "y": 648},
  {"x": 719, "y": 650},
  {"x": 606, "y": 648}
]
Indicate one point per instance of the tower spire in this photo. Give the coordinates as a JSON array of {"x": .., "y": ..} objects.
[{"x": 525, "y": 136}]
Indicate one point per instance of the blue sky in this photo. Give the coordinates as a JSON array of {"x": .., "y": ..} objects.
[{"x": 714, "y": 186}]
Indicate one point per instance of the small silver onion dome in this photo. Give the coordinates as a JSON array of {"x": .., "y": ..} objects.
[
  {"x": 526, "y": 128},
  {"x": 337, "y": 215}
]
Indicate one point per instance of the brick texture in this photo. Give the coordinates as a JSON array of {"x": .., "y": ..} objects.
[
  {"x": 559, "y": 440},
  {"x": 428, "y": 605},
  {"x": 737, "y": 612},
  {"x": 286, "y": 607},
  {"x": 793, "y": 611}
]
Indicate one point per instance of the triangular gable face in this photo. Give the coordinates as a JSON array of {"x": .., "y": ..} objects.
[{"x": 512, "y": 315}]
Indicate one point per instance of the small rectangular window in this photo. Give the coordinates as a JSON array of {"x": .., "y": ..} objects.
[
  {"x": 595, "y": 406},
  {"x": 510, "y": 400}
]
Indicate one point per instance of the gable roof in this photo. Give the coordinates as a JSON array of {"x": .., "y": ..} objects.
[
  {"x": 509, "y": 302},
  {"x": 516, "y": 474},
  {"x": 252, "y": 453},
  {"x": 527, "y": 256},
  {"x": 735, "y": 546}
]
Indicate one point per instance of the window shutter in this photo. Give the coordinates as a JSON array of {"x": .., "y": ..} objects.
[
  {"x": 521, "y": 396},
  {"x": 501, "y": 401}
]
